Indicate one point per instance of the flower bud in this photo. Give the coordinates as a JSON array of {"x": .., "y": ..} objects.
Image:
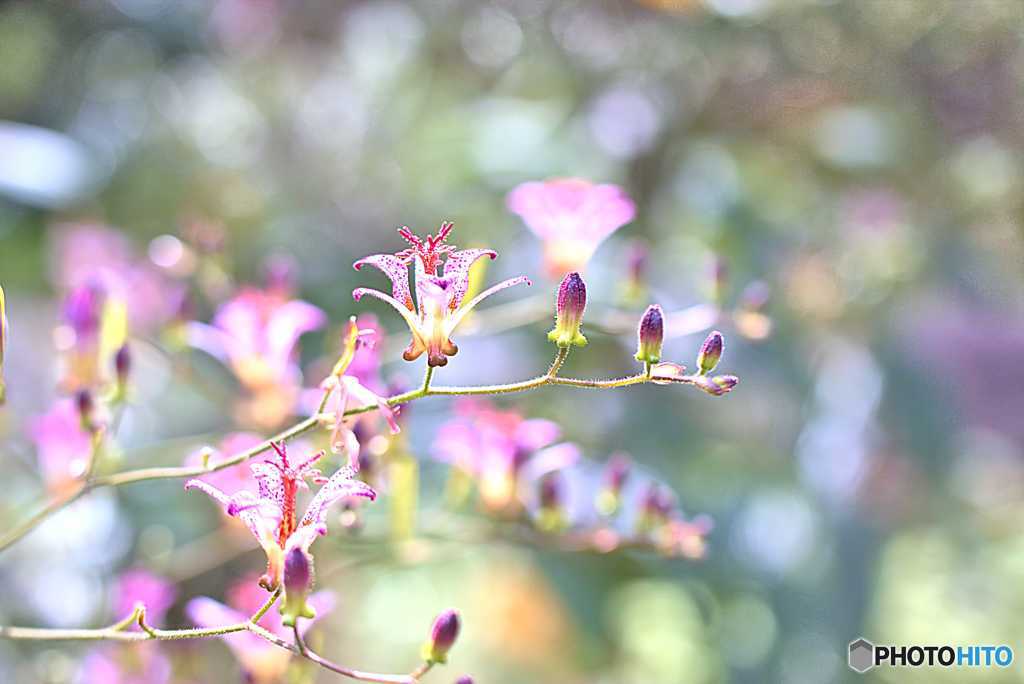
[
  {"x": 572, "y": 300},
  {"x": 86, "y": 409},
  {"x": 726, "y": 382},
  {"x": 464, "y": 679},
  {"x": 443, "y": 634},
  {"x": 122, "y": 367},
  {"x": 650, "y": 334},
  {"x": 710, "y": 353},
  {"x": 298, "y": 581}
]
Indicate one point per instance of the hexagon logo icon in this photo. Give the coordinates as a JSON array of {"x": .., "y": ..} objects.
[{"x": 862, "y": 655}]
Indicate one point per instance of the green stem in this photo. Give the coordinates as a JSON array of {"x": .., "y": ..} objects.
[{"x": 307, "y": 424}]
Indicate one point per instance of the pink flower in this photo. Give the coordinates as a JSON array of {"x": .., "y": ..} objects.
[
  {"x": 141, "y": 586},
  {"x": 271, "y": 515},
  {"x": 348, "y": 393},
  {"x": 256, "y": 333},
  {"x": 62, "y": 445},
  {"x": 125, "y": 664},
  {"x": 496, "y": 446},
  {"x": 260, "y": 660},
  {"x": 439, "y": 306},
  {"x": 572, "y": 217}
]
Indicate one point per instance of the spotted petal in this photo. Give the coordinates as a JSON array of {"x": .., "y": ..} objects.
[
  {"x": 456, "y": 270},
  {"x": 341, "y": 485},
  {"x": 395, "y": 269}
]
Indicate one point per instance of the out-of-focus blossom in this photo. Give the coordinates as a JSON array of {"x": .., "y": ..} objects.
[
  {"x": 114, "y": 663},
  {"x": 62, "y": 444},
  {"x": 569, "y": 307},
  {"x": 235, "y": 477},
  {"x": 136, "y": 586},
  {"x": 256, "y": 333},
  {"x": 132, "y": 663},
  {"x": 439, "y": 306},
  {"x": 92, "y": 253},
  {"x": 83, "y": 317},
  {"x": 551, "y": 515},
  {"x": 271, "y": 515},
  {"x": 572, "y": 217},
  {"x": 261, "y": 661},
  {"x": 686, "y": 538},
  {"x": 634, "y": 287},
  {"x": 494, "y": 446}
]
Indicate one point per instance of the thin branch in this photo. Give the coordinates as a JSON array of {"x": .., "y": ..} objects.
[{"x": 307, "y": 424}]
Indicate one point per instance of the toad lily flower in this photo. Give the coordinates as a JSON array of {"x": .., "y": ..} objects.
[
  {"x": 572, "y": 217},
  {"x": 439, "y": 305},
  {"x": 271, "y": 514}
]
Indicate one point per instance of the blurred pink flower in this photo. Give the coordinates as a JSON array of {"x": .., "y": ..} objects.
[
  {"x": 572, "y": 217},
  {"x": 125, "y": 664},
  {"x": 235, "y": 477},
  {"x": 93, "y": 253},
  {"x": 260, "y": 660},
  {"x": 438, "y": 307},
  {"x": 256, "y": 333},
  {"x": 347, "y": 393},
  {"x": 62, "y": 445},
  {"x": 271, "y": 515},
  {"x": 496, "y": 446},
  {"x": 141, "y": 586}
]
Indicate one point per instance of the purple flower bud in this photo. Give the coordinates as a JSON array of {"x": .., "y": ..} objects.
[
  {"x": 83, "y": 309},
  {"x": 726, "y": 382},
  {"x": 123, "y": 364},
  {"x": 572, "y": 300},
  {"x": 298, "y": 582},
  {"x": 550, "y": 491},
  {"x": 710, "y": 353},
  {"x": 650, "y": 334},
  {"x": 443, "y": 634},
  {"x": 86, "y": 408},
  {"x": 464, "y": 679}
]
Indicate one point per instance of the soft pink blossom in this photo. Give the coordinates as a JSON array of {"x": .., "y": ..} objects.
[
  {"x": 572, "y": 217},
  {"x": 62, "y": 445}
]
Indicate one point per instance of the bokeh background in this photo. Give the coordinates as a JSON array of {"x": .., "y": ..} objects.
[{"x": 860, "y": 159}]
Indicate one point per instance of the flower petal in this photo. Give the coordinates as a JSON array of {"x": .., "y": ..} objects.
[
  {"x": 457, "y": 317},
  {"x": 341, "y": 485},
  {"x": 410, "y": 319},
  {"x": 456, "y": 270},
  {"x": 395, "y": 269}
]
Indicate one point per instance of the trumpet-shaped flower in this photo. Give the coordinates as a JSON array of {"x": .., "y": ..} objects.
[
  {"x": 439, "y": 306},
  {"x": 271, "y": 514},
  {"x": 256, "y": 333},
  {"x": 572, "y": 217},
  {"x": 500, "y": 448}
]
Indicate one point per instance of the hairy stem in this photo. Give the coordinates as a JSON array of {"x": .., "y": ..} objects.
[{"x": 307, "y": 424}]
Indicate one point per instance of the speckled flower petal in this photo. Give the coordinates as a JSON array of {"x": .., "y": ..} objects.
[
  {"x": 456, "y": 270},
  {"x": 395, "y": 269},
  {"x": 341, "y": 485}
]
